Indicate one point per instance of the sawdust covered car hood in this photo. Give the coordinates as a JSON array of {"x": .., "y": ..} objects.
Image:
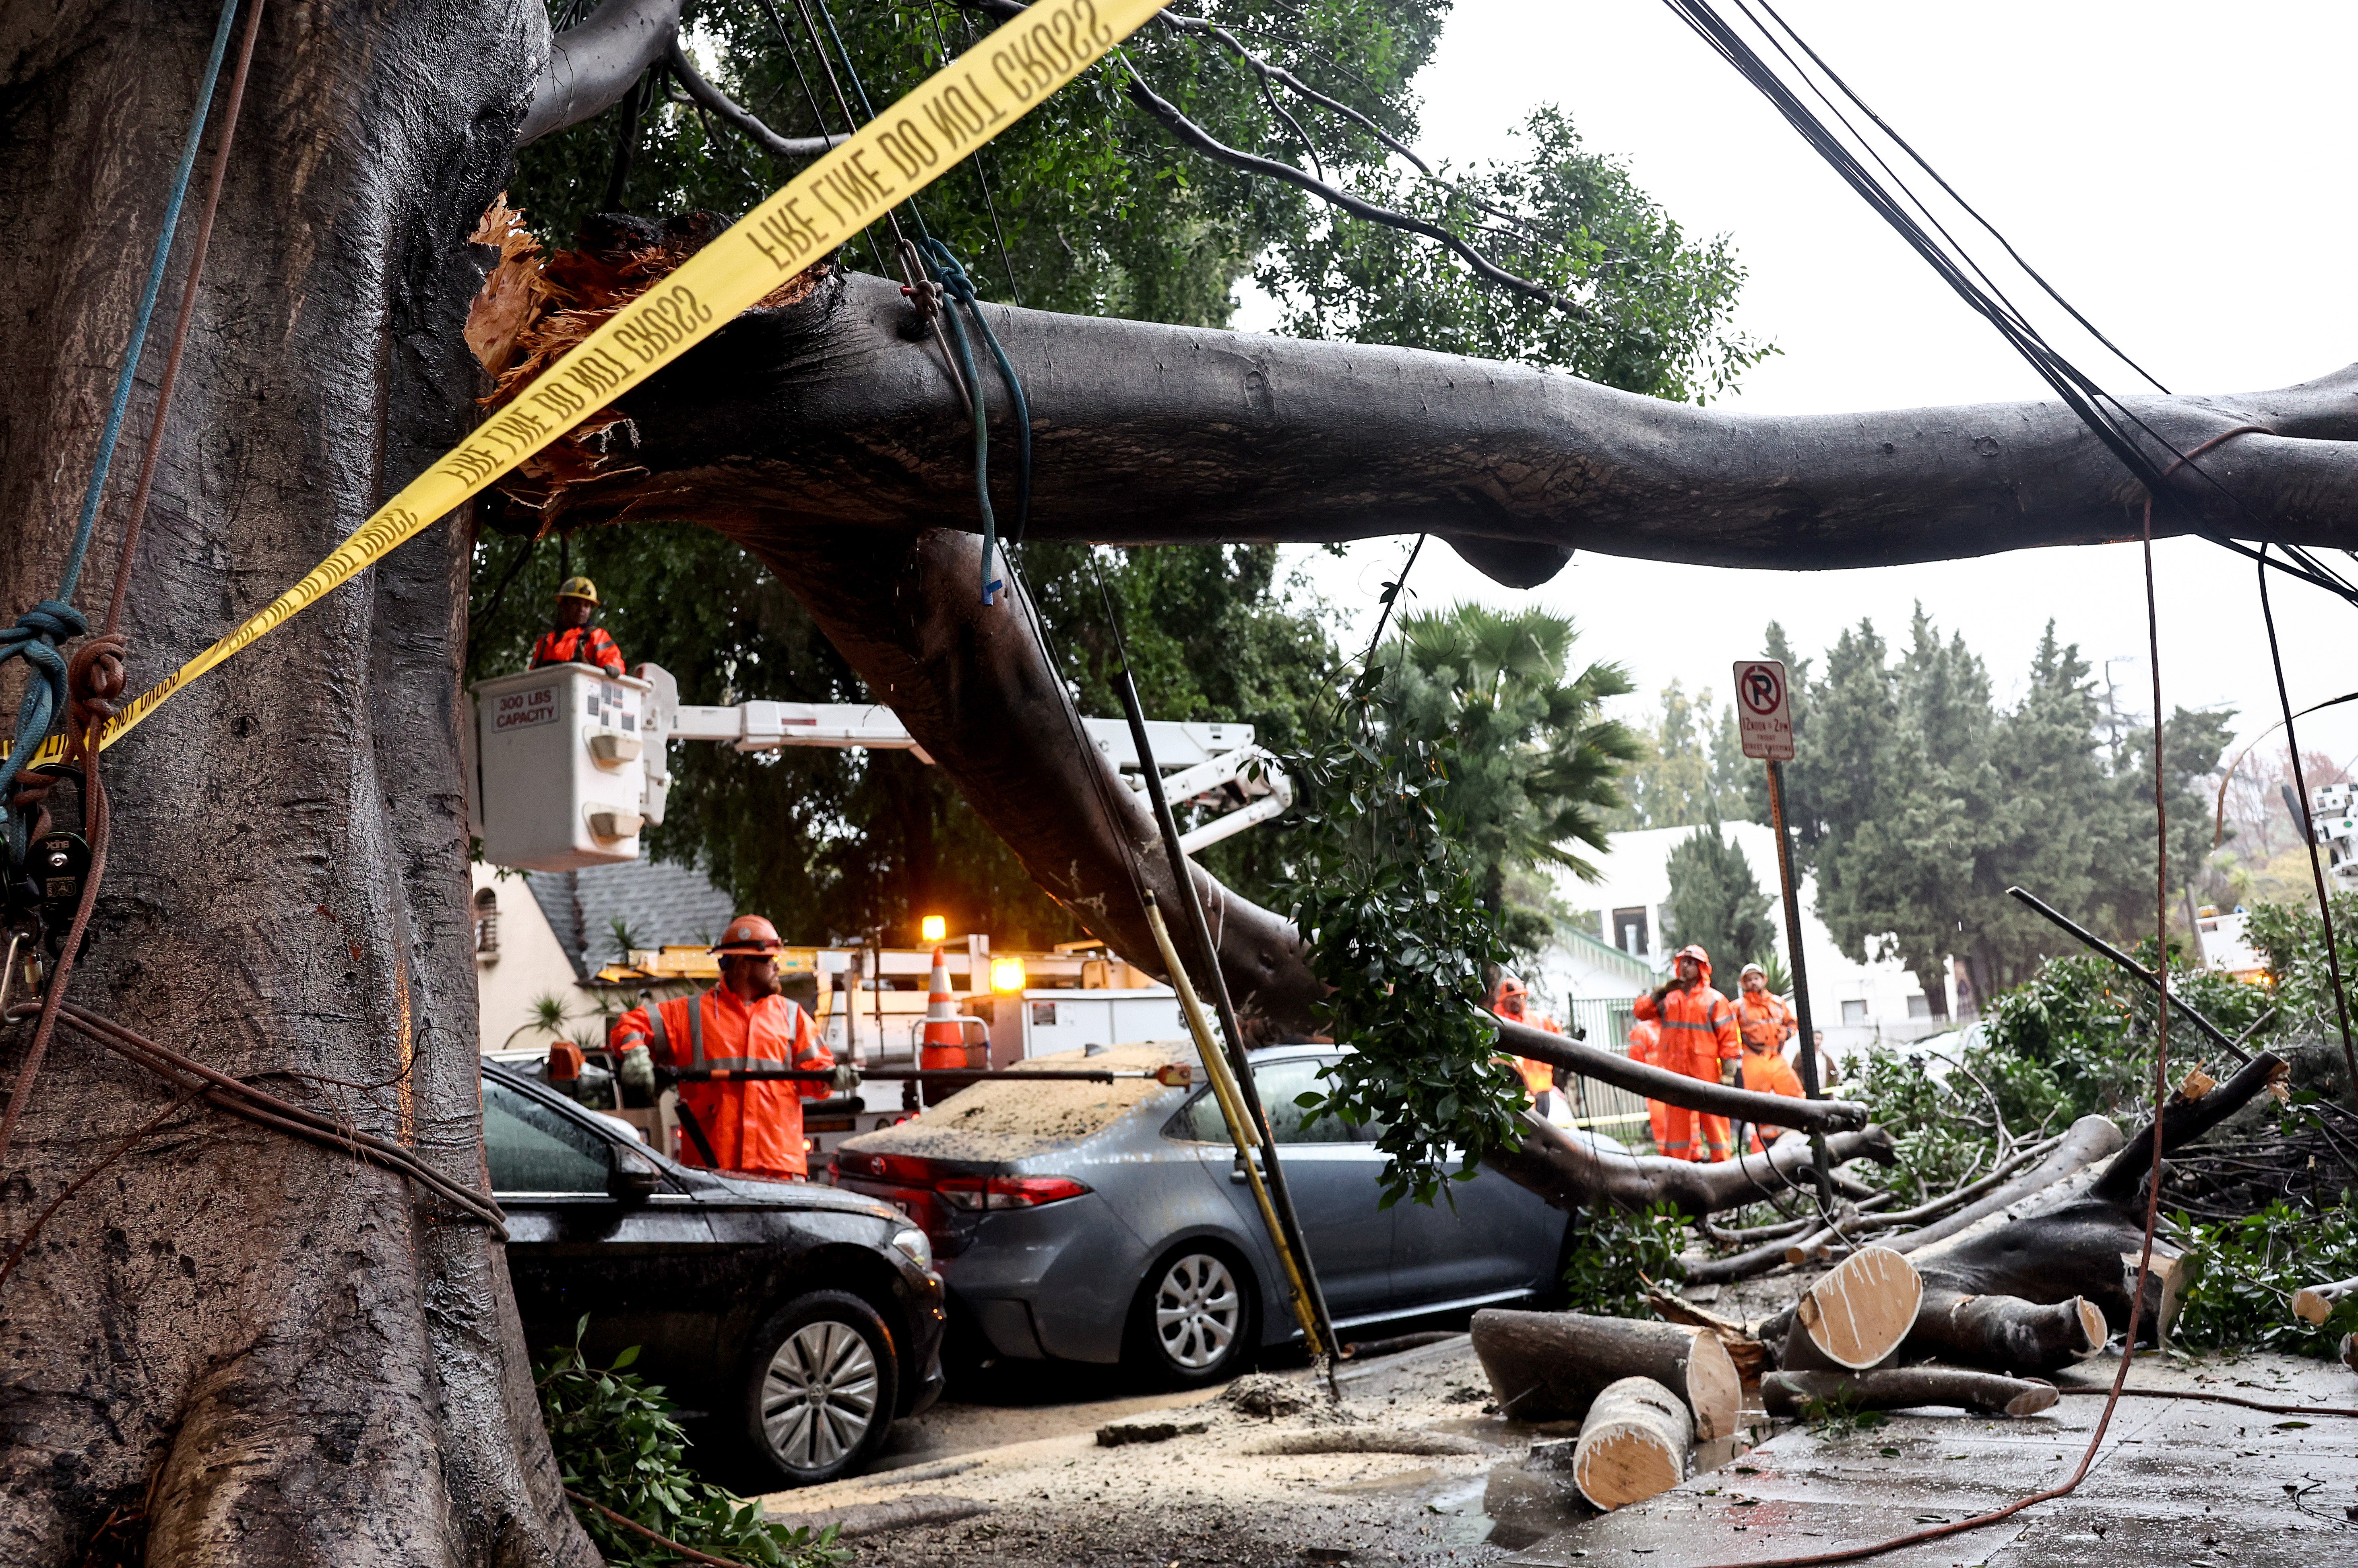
[{"x": 1004, "y": 1120}]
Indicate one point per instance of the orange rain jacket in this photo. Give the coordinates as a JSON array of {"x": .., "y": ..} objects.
[
  {"x": 1646, "y": 1046},
  {"x": 1698, "y": 1033},
  {"x": 1765, "y": 1021},
  {"x": 754, "y": 1128},
  {"x": 578, "y": 646},
  {"x": 1698, "y": 1028}
]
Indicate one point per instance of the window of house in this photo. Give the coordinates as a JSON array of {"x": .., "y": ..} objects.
[
  {"x": 1629, "y": 930},
  {"x": 487, "y": 924},
  {"x": 1854, "y": 1013},
  {"x": 1919, "y": 1007}
]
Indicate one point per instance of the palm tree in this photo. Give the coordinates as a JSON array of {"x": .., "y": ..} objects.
[{"x": 1532, "y": 765}]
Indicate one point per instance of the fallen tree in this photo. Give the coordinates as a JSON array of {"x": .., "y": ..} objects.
[
  {"x": 1790, "y": 1394},
  {"x": 1584, "y": 1171}
]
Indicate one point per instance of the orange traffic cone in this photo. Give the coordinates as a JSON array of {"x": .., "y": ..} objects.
[{"x": 945, "y": 1036}]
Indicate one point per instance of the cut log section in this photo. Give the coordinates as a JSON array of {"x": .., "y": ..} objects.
[
  {"x": 1905, "y": 1388},
  {"x": 1553, "y": 1365},
  {"x": 1855, "y": 1315},
  {"x": 1633, "y": 1445},
  {"x": 2004, "y": 1332},
  {"x": 2314, "y": 1303}
]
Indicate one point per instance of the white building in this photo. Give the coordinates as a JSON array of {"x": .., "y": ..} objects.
[{"x": 1854, "y": 1004}]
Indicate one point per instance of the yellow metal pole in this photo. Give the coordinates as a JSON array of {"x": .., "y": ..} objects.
[{"x": 1232, "y": 1111}]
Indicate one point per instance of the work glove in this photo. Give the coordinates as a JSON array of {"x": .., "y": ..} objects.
[
  {"x": 637, "y": 1072},
  {"x": 845, "y": 1080},
  {"x": 1731, "y": 1075}
]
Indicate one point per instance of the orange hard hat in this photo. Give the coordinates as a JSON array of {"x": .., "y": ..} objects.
[
  {"x": 749, "y": 933},
  {"x": 1509, "y": 986},
  {"x": 1693, "y": 950}
]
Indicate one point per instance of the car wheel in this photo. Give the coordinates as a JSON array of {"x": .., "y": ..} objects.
[
  {"x": 1194, "y": 1323},
  {"x": 820, "y": 1389}
]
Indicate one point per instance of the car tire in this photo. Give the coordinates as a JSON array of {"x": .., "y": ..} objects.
[
  {"x": 1197, "y": 1317},
  {"x": 820, "y": 1387}
]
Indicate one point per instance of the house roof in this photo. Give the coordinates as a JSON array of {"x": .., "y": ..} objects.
[
  {"x": 1607, "y": 956},
  {"x": 661, "y": 902}
]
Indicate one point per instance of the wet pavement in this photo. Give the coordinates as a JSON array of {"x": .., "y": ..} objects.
[
  {"x": 1027, "y": 1484},
  {"x": 2177, "y": 1482}
]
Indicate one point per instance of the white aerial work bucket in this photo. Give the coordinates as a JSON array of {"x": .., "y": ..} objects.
[{"x": 561, "y": 767}]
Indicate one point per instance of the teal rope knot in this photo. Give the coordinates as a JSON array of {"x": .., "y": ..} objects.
[
  {"x": 34, "y": 639},
  {"x": 960, "y": 287}
]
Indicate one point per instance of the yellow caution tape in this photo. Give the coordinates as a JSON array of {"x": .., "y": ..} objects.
[{"x": 894, "y": 157}]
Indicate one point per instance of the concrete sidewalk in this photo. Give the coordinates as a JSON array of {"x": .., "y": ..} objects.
[{"x": 2178, "y": 1482}]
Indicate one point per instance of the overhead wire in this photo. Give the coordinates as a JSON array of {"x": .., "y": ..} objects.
[
  {"x": 2086, "y": 398},
  {"x": 2119, "y": 426}
]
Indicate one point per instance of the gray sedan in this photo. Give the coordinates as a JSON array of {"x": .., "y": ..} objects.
[{"x": 1113, "y": 1223}]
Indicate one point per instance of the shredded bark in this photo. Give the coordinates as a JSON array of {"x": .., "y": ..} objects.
[{"x": 535, "y": 308}]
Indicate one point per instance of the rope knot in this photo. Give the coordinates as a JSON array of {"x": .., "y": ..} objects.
[{"x": 95, "y": 678}]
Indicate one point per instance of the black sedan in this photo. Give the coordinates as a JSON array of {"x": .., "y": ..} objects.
[{"x": 792, "y": 1322}]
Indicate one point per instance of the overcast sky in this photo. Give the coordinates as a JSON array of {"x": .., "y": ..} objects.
[{"x": 2181, "y": 177}]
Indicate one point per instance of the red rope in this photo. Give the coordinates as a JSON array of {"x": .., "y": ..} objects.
[{"x": 94, "y": 676}]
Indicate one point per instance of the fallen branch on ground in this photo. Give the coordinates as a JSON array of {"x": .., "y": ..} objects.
[
  {"x": 1552, "y": 1365},
  {"x": 1904, "y": 1388}
]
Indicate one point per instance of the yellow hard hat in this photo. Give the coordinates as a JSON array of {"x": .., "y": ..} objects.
[{"x": 578, "y": 587}]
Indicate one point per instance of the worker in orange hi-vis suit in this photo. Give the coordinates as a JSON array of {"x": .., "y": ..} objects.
[
  {"x": 1513, "y": 1000},
  {"x": 1646, "y": 1046},
  {"x": 1766, "y": 1023},
  {"x": 1699, "y": 1039},
  {"x": 749, "y": 1128},
  {"x": 574, "y": 640}
]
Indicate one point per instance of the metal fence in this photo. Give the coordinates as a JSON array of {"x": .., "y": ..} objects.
[{"x": 1608, "y": 1107}]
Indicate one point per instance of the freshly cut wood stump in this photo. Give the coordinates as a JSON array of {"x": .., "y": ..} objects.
[
  {"x": 2314, "y": 1303},
  {"x": 1855, "y": 1315},
  {"x": 1552, "y": 1365},
  {"x": 1903, "y": 1388},
  {"x": 1633, "y": 1444}
]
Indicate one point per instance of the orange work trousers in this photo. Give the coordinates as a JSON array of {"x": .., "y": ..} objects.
[{"x": 1684, "y": 1134}]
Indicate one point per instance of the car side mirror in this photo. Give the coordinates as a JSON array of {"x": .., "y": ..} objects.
[{"x": 633, "y": 1177}]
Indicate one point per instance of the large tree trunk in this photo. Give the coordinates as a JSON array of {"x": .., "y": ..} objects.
[
  {"x": 310, "y": 1365},
  {"x": 1149, "y": 434}
]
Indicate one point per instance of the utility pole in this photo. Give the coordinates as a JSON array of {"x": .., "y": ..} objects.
[{"x": 1764, "y": 723}]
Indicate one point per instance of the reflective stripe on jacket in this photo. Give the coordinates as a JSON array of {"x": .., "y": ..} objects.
[
  {"x": 1765, "y": 1022},
  {"x": 578, "y": 646},
  {"x": 756, "y": 1128},
  {"x": 1697, "y": 1023}
]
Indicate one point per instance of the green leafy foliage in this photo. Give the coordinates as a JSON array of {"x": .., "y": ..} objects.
[
  {"x": 1716, "y": 900},
  {"x": 1615, "y": 1256},
  {"x": 1651, "y": 307},
  {"x": 1917, "y": 802},
  {"x": 1693, "y": 769},
  {"x": 1394, "y": 920},
  {"x": 1533, "y": 764},
  {"x": 2243, "y": 1275},
  {"x": 2076, "y": 1039},
  {"x": 618, "y": 1444},
  {"x": 1839, "y": 1416}
]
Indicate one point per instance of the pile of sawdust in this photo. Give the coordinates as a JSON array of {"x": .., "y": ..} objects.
[
  {"x": 1006, "y": 1118},
  {"x": 1265, "y": 1394}
]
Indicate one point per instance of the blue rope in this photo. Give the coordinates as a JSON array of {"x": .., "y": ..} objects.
[
  {"x": 36, "y": 633},
  {"x": 960, "y": 287}
]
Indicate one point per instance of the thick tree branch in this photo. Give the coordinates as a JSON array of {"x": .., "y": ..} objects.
[
  {"x": 1677, "y": 1088},
  {"x": 1150, "y": 434},
  {"x": 1579, "y": 1170},
  {"x": 720, "y": 104},
  {"x": 975, "y": 690},
  {"x": 589, "y": 67}
]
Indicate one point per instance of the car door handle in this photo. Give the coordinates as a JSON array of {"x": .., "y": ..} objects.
[{"x": 1236, "y": 1170}]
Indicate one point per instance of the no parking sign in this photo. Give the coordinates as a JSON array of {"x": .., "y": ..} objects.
[{"x": 1763, "y": 711}]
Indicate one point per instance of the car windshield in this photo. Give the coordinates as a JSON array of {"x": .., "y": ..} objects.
[
  {"x": 1280, "y": 1084},
  {"x": 533, "y": 1148}
]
